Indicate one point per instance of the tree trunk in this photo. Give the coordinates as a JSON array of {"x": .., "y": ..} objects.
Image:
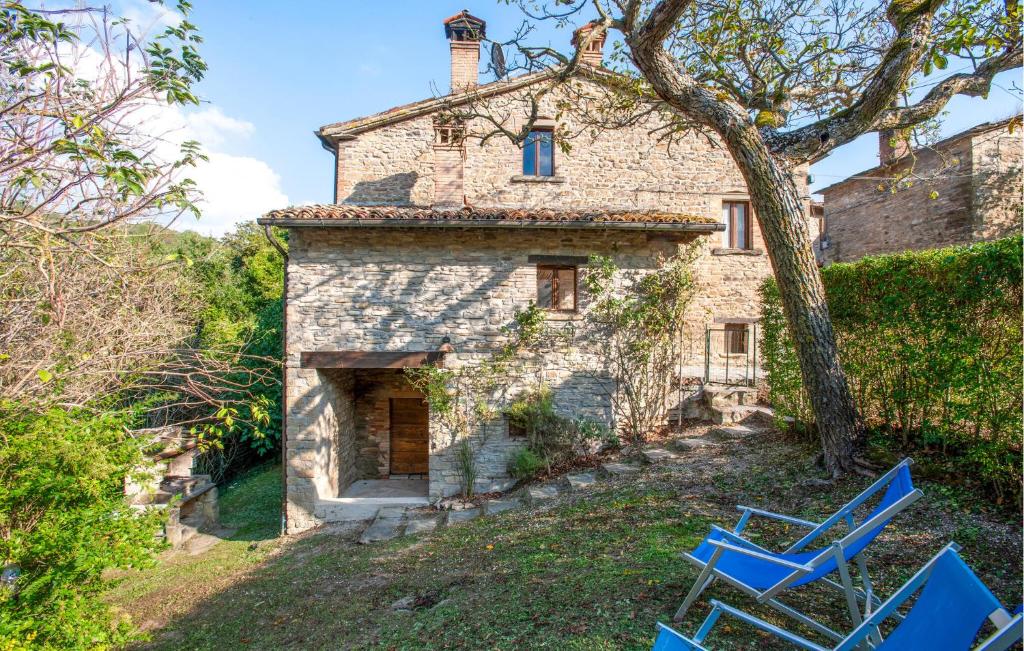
[
  {"x": 777, "y": 203},
  {"x": 780, "y": 212}
]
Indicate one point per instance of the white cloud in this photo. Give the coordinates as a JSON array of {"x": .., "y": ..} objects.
[
  {"x": 235, "y": 189},
  {"x": 147, "y": 16},
  {"x": 211, "y": 127}
]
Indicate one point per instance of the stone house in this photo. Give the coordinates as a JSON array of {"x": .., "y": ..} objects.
[
  {"x": 963, "y": 189},
  {"x": 437, "y": 237}
]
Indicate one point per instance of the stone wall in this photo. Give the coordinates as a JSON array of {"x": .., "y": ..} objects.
[
  {"x": 976, "y": 181},
  {"x": 319, "y": 459},
  {"x": 620, "y": 168},
  {"x": 997, "y": 184},
  {"x": 406, "y": 289}
]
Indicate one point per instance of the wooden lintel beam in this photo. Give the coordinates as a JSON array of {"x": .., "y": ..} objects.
[{"x": 370, "y": 359}]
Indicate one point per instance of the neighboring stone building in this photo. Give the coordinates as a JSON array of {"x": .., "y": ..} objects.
[
  {"x": 963, "y": 189},
  {"x": 435, "y": 241}
]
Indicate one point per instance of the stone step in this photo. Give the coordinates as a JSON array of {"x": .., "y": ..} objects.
[
  {"x": 736, "y": 431},
  {"x": 422, "y": 524},
  {"x": 729, "y": 396},
  {"x": 492, "y": 507},
  {"x": 465, "y": 515},
  {"x": 580, "y": 480},
  {"x": 658, "y": 455},
  {"x": 740, "y": 413},
  {"x": 382, "y": 529},
  {"x": 620, "y": 469},
  {"x": 542, "y": 492},
  {"x": 688, "y": 445}
]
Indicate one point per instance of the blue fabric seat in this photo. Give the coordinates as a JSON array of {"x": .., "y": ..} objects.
[
  {"x": 764, "y": 574},
  {"x": 951, "y": 608}
]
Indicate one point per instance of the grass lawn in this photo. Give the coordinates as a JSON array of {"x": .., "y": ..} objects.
[{"x": 593, "y": 571}]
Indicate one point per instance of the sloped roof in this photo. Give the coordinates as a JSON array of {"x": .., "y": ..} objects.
[
  {"x": 979, "y": 129},
  {"x": 329, "y": 133},
  {"x": 352, "y": 216}
]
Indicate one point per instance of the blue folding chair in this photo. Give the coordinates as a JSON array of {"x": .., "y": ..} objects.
[
  {"x": 948, "y": 614},
  {"x": 763, "y": 574}
]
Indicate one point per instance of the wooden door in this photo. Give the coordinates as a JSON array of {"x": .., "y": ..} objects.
[{"x": 409, "y": 436}]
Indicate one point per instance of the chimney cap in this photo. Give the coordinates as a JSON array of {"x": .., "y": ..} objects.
[
  {"x": 584, "y": 31},
  {"x": 464, "y": 26}
]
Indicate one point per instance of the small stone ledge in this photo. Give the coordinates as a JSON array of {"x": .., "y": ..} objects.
[
  {"x": 720, "y": 251},
  {"x": 524, "y": 178},
  {"x": 552, "y": 315}
]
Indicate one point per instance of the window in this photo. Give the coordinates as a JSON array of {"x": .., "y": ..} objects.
[
  {"x": 736, "y": 338},
  {"x": 556, "y": 288},
  {"x": 737, "y": 218},
  {"x": 515, "y": 430},
  {"x": 538, "y": 154}
]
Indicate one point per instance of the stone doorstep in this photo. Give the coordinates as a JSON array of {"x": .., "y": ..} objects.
[
  {"x": 581, "y": 480},
  {"x": 382, "y": 529},
  {"x": 391, "y": 513}
]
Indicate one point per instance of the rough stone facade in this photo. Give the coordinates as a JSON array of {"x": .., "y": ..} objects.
[
  {"x": 976, "y": 180},
  {"x": 406, "y": 289}
]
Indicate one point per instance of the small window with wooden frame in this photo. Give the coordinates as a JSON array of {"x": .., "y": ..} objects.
[
  {"x": 556, "y": 288},
  {"x": 449, "y": 131},
  {"x": 736, "y": 335},
  {"x": 539, "y": 152},
  {"x": 737, "y": 217}
]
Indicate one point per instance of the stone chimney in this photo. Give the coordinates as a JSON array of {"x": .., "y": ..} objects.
[
  {"x": 449, "y": 162},
  {"x": 591, "y": 38},
  {"x": 464, "y": 33},
  {"x": 892, "y": 146}
]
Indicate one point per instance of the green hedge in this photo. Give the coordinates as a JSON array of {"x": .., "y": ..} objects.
[{"x": 931, "y": 344}]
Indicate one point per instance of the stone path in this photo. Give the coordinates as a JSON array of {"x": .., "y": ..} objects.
[{"x": 392, "y": 522}]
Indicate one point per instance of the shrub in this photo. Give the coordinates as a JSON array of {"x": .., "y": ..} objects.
[
  {"x": 550, "y": 437},
  {"x": 525, "y": 464},
  {"x": 63, "y": 522},
  {"x": 931, "y": 343}
]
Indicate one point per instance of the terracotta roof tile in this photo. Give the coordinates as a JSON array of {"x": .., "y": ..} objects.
[{"x": 420, "y": 215}]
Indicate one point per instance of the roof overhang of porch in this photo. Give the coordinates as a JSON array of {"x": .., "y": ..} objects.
[{"x": 355, "y": 216}]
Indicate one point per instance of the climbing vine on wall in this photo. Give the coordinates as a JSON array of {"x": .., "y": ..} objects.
[{"x": 463, "y": 399}]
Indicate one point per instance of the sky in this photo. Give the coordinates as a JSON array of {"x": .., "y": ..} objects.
[{"x": 280, "y": 70}]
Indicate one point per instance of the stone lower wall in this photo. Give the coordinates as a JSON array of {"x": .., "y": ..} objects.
[
  {"x": 406, "y": 289},
  {"x": 319, "y": 459}
]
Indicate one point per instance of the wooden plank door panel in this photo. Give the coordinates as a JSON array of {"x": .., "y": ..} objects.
[{"x": 409, "y": 436}]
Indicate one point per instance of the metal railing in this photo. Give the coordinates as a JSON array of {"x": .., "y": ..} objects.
[{"x": 730, "y": 356}]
